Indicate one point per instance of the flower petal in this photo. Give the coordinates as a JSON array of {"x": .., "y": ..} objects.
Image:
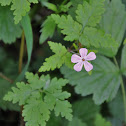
[
  {"x": 83, "y": 52},
  {"x": 78, "y": 66},
  {"x": 90, "y": 56},
  {"x": 88, "y": 66},
  {"x": 75, "y": 58}
]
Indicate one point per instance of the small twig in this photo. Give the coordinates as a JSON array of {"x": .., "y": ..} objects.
[{"x": 6, "y": 78}]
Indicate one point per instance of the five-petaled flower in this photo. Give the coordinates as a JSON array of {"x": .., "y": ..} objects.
[{"x": 83, "y": 60}]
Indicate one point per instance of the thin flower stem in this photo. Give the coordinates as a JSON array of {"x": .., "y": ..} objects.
[
  {"x": 122, "y": 88},
  {"x": 22, "y": 123},
  {"x": 6, "y": 78}
]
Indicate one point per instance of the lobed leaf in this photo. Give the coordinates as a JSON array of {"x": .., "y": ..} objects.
[
  {"x": 105, "y": 78},
  {"x": 58, "y": 59},
  {"x": 48, "y": 29}
]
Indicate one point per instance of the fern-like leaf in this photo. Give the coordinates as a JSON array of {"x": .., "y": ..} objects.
[
  {"x": 40, "y": 97},
  {"x": 58, "y": 59}
]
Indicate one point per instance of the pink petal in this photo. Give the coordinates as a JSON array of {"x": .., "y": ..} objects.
[
  {"x": 78, "y": 66},
  {"x": 90, "y": 56},
  {"x": 88, "y": 66},
  {"x": 83, "y": 52},
  {"x": 75, "y": 58}
]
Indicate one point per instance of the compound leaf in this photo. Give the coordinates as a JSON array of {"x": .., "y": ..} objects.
[{"x": 61, "y": 56}]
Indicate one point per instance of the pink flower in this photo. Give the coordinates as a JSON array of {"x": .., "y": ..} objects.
[{"x": 83, "y": 60}]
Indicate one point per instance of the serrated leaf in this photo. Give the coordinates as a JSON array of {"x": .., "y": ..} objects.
[
  {"x": 105, "y": 78},
  {"x": 48, "y": 28},
  {"x": 40, "y": 97},
  {"x": 100, "y": 121},
  {"x": 76, "y": 122},
  {"x": 63, "y": 107},
  {"x": 5, "y": 2},
  {"x": 19, "y": 94},
  {"x": 20, "y": 7},
  {"x": 89, "y": 14},
  {"x": 69, "y": 27},
  {"x": 36, "y": 112},
  {"x": 89, "y": 110},
  {"x": 113, "y": 22},
  {"x": 8, "y": 30},
  {"x": 96, "y": 38},
  {"x": 123, "y": 60},
  {"x": 61, "y": 56}
]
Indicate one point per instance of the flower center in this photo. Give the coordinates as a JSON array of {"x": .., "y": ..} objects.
[{"x": 83, "y": 59}]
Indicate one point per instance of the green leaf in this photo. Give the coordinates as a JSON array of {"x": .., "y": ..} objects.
[
  {"x": 20, "y": 7},
  {"x": 89, "y": 14},
  {"x": 96, "y": 38},
  {"x": 5, "y": 2},
  {"x": 105, "y": 78},
  {"x": 8, "y": 30},
  {"x": 40, "y": 97},
  {"x": 26, "y": 24},
  {"x": 61, "y": 56},
  {"x": 36, "y": 112},
  {"x": 63, "y": 108},
  {"x": 68, "y": 27},
  {"x": 115, "y": 104},
  {"x": 19, "y": 94},
  {"x": 48, "y": 28},
  {"x": 123, "y": 60},
  {"x": 113, "y": 22},
  {"x": 76, "y": 122},
  {"x": 100, "y": 121},
  {"x": 50, "y": 6},
  {"x": 89, "y": 110}
]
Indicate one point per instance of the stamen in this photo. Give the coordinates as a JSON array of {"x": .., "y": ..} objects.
[{"x": 83, "y": 59}]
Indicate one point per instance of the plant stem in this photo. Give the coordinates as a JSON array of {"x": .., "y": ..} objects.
[
  {"x": 21, "y": 52},
  {"x": 122, "y": 88},
  {"x": 6, "y": 78},
  {"x": 22, "y": 123}
]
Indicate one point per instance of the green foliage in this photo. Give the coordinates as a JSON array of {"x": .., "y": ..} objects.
[
  {"x": 8, "y": 30},
  {"x": 84, "y": 29},
  {"x": 90, "y": 110},
  {"x": 123, "y": 61},
  {"x": 48, "y": 29},
  {"x": 20, "y": 7},
  {"x": 105, "y": 78},
  {"x": 76, "y": 122},
  {"x": 58, "y": 59},
  {"x": 89, "y": 14},
  {"x": 69, "y": 27},
  {"x": 117, "y": 103},
  {"x": 100, "y": 121},
  {"x": 113, "y": 22},
  {"x": 40, "y": 97}
]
